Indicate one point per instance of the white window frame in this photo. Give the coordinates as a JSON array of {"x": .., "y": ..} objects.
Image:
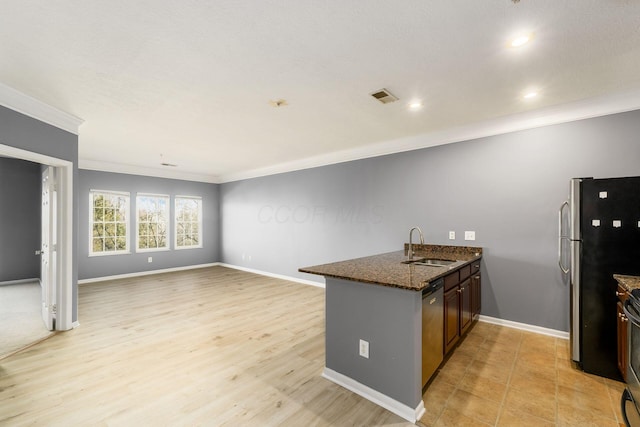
[
  {"x": 175, "y": 223},
  {"x": 127, "y": 195},
  {"x": 167, "y": 215}
]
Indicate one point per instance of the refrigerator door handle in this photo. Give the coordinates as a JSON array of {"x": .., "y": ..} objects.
[{"x": 561, "y": 237}]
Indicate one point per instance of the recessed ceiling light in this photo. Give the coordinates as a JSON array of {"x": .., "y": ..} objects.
[
  {"x": 520, "y": 40},
  {"x": 416, "y": 105},
  {"x": 530, "y": 95}
]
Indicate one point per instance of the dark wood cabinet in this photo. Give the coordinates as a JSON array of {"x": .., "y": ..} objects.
[
  {"x": 451, "y": 318},
  {"x": 623, "y": 323},
  {"x": 476, "y": 292},
  {"x": 465, "y": 306},
  {"x": 461, "y": 303}
]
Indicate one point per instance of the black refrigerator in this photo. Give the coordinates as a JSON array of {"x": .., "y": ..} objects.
[{"x": 599, "y": 237}]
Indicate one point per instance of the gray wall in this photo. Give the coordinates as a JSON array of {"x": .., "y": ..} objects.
[
  {"x": 20, "y": 212},
  {"x": 20, "y": 131},
  {"x": 101, "y": 266},
  {"x": 507, "y": 188},
  {"x": 375, "y": 314}
]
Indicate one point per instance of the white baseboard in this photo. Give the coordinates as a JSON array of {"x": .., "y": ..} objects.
[
  {"x": 482, "y": 318},
  {"x": 75, "y": 324},
  {"x": 525, "y": 327},
  {"x": 19, "y": 282},
  {"x": 408, "y": 413},
  {"x": 146, "y": 273},
  {"x": 487, "y": 319},
  {"x": 276, "y": 276}
]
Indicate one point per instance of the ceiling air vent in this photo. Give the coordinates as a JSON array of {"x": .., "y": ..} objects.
[{"x": 384, "y": 96}]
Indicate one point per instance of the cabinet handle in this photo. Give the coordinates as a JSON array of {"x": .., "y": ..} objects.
[
  {"x": 477, "y": 277},
  {"x": 619, "y": 294},
  {"x": 459, "y": 291}
]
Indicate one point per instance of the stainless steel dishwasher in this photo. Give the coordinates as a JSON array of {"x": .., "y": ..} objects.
[{"x": 432, "y": 328}]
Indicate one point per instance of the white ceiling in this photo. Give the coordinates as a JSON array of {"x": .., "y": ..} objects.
[{"x": 192, "y": 80}]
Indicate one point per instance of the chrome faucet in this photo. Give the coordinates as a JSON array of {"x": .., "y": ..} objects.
[{"x": 411, "y": 241}]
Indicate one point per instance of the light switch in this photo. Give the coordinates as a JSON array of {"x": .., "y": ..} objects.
[{"x": 469, "y": 235}]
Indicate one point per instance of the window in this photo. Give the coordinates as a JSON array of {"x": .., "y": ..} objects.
[
  {"x": 152, "y": 222},
  {"x": 109, "y": 222},
  {"x": 188, "y": 222}
]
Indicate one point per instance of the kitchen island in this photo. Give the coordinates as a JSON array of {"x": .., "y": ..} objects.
[{"x": 374, "y": 321}]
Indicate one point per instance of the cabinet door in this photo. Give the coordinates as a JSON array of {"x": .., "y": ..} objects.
[
  {"x": 622, "y": 341},
  {"x": 451, "y": 318},
  {"x": 466, "y": 315},
  {"x": 476, "y": 295}
]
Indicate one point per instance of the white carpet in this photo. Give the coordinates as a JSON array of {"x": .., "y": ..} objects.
[{"x": 21, "y": 323}]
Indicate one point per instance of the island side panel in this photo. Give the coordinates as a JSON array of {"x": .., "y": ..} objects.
[{"x": 390, "y": 320}]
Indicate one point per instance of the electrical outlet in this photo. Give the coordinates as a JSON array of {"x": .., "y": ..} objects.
[
  {"x": 469, "y": 235},
  {"x": 364, "y": 349},
  {"x": 452, "y": 235},
  {"x": 150, "y": 259}
]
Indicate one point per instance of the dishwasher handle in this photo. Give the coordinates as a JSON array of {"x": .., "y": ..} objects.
[{"x": 432, "y": 287}]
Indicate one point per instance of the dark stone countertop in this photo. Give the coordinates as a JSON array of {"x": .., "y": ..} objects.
[
  {"x": 388, "y": 270},
  {"x": 628, "y": 282}
]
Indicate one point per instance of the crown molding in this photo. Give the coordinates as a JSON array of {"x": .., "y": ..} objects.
[
  {"x": 25, "y": 104},
  {"x": 579, "y": 110},
  {"x": 145, "y": 171}
]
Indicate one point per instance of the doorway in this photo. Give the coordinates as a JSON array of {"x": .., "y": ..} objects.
[
  {"x": 60, "y": 293},
  {"x": 20, "y": 314}
]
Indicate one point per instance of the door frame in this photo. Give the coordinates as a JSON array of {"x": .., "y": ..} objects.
[{"x": 64, "y": 260}]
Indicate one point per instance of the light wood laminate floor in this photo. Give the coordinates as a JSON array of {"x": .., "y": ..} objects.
[
  {"x": 220, "y": 347},
  {"x": 211, "y": 346}
]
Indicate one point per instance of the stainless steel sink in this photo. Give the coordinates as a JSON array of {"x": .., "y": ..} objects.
[
  {"x": 430, "y": 262},
  {"x": 435, "y": 262}
]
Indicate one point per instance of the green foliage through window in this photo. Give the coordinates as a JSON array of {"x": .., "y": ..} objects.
[
  {"x": 109, "y": 222},
  {"x": 188, "y": 222},
  {"x": 153, "y": 220}
]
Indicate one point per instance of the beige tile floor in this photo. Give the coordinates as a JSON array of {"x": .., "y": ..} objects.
[{"x": 501, "y": 376}]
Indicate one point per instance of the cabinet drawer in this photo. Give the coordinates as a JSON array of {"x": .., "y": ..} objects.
[
  {"x": 465, "y": 272},
  {"x": 451, "y": 280}
]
